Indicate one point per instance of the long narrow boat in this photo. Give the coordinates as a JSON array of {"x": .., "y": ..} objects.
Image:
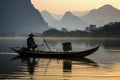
[{"x": 51, "y": 54}]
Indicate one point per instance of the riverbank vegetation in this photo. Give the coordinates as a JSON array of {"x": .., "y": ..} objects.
[{"x": 109, "y": 30}]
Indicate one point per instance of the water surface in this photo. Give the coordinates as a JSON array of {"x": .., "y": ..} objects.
[{"x": 104, "y": 64}]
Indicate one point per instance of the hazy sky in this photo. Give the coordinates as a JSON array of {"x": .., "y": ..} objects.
[{"x": 61, "y": 6}]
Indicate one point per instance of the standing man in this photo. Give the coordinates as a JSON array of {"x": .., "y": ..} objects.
[{"x": 30, "y": 42}]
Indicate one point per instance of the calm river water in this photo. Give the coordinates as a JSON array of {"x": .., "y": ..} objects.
[{"x": 104, "y": 64}]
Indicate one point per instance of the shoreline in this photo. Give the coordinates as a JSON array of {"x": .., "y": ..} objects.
[{"x": 24, "y": 37}]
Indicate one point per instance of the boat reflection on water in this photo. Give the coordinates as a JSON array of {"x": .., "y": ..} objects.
[
  {"x": 31, "y": 63},
  {"x": 67, "y": 63}
]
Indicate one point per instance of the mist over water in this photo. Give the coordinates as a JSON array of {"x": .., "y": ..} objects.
[{"x": 104, "y": 63}]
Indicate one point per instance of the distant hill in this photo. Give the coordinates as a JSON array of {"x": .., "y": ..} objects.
[
  {"x": 80, "y": 13},
  {"x": 75, "y": 20},
  {"x": 102, "y": 15},
  {"x": 19, "y": 17},
  {"x": 57, "y": 16},
  {"x": 72, "y": 22},
  {"x": 53, "y": 23},
  {"x": 47, "y": 16},
  {"x": 68, "y": 21}
]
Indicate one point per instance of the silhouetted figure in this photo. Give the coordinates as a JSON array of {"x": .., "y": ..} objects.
[{"x": 30, "y": 42}]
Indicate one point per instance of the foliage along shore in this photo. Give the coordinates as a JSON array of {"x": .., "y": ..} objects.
[{"x": 111, "y": 30}]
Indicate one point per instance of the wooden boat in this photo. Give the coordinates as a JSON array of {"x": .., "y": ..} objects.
[{"x": 52, "y": 54}]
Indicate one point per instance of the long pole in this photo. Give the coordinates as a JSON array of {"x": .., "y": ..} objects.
[
  {"x": 50, "y": 51},
  {"x": 46, "y": 44}
]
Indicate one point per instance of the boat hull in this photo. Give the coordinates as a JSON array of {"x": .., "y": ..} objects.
[{"x": 49, "y": 54}]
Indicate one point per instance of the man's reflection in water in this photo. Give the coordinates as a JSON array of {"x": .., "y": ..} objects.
[{"x": 31, "y": 65}]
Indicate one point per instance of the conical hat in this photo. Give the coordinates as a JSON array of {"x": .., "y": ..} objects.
[{"x": 31, "y": 34}]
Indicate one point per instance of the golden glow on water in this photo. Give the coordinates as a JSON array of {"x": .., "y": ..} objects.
[
  {"x": 54, "y": 71},
  {"x": 83, "y": 72},
  {"x": 104, "y": 64}
]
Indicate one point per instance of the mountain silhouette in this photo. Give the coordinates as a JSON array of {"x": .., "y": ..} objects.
[
  {"x": 47, "y": 16},
  {"x": 19, "y": 16},
  {"x": 102, "y": 15},
  {"x": 57, "y": 16},
  {"x": 72, "y": 22},
  {"x": 80, "y": 13},
  {"x": 69, "y": 15},
  {"x": 68, "y": 21}
]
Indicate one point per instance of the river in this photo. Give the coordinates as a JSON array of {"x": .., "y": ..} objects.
[{"x": 104, "y": 64}]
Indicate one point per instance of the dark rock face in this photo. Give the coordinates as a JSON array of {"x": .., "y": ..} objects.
[{"x": 19, "y": 16}]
